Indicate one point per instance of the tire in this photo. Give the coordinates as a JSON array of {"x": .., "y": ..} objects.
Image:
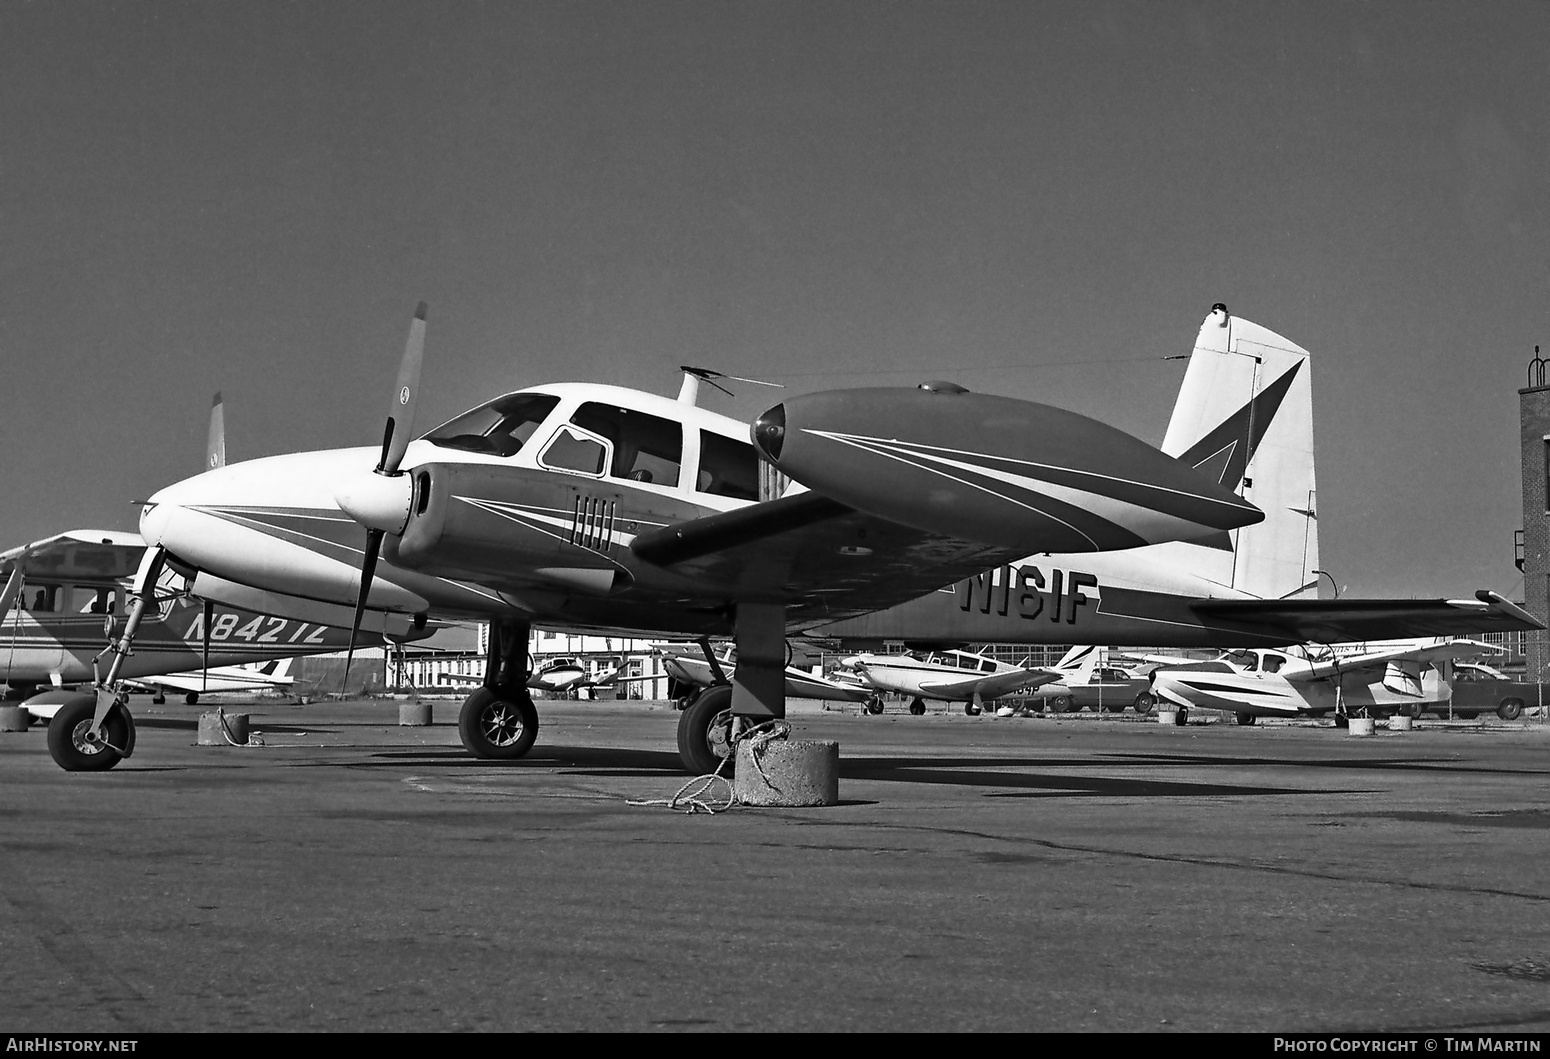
[
  {"x": 1144, "y": 703},
  {"x": 918, "y": 707},
  {"x": 874, "y": 705},
  {"x": 65, "y": 732},
  {"x": 192, "y": 698},
  {"x": 498, "y": 725},
  {"x": 1342, "y": 721},
  {"x": 1468, "y": 715},
  {"x": 159, "y": 699},
  {"x": 1246, "y": 719},
  {"x": 1059, "y": 704},
  {"x": 705, "y": 732},
  {"x": 971, "y": 709},
  {"x": 1510, "y": 709},
  {"x": 1181, "y": 718},
  {"x": 1413, "y": 711}
]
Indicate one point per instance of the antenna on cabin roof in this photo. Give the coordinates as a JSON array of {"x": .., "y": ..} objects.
[{"x": 689, "y": 392}]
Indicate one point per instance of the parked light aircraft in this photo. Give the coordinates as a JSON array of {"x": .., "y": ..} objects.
[
  {"x": 1244, "y": 418},
  {"x": 66, "y": 598},
  {"x": 1370, "y": 679},
  {"x": 689, "y": 665},
  {"x": 955, "y": 676},
  {"x": 557, "y": 676},
  {"x": 250, "y": 677},
  {"x": 586, "y": 506}
]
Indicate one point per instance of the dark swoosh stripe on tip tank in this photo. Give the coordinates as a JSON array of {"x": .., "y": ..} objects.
[
  {"x": 274, "y": 524},
  {"x": 1098, "y": 531},
  {"x": 1179, "y": 502}
]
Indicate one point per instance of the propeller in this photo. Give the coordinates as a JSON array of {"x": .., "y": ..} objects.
[{"x": 371, "y": 504}]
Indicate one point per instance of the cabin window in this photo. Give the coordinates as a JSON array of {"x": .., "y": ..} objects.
[
  {"x": 728, "y": 467},
  {"x": 1273, "y": 663},
  {"x": 499, "y": 428},
  {"x": 647, "y": 448},
  {"x": 573, "y": 450},
  {"x": 44, "y": 599}
]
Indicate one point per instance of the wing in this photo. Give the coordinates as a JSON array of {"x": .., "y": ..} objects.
[
  {"x": 85, "y": 555},
  {"x": 1377, "y": 660},
  {"x": 819, "y": 558},
  {"x": 1343, "y": 620},
  {"x": 993, "y": 686}
]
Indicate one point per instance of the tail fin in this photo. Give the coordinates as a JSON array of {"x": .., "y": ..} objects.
[
  {"x": 1078, "y": 663},
  {"x": 215, "y": 445},
  {"x": 1244, "y": 418}
]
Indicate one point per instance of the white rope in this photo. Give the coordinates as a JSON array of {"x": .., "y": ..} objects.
[{"x": 687, "y": 800}]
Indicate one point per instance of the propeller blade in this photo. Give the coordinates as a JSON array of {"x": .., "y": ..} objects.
[
  {"x": 215, "y": 442},
  {"x": 400, "y": 420},
  {"x": 368, "y": 571},
  {"x": 209, "y": 617}
]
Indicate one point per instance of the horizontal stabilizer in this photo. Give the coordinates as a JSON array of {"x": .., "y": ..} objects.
[{"x": 1342, "y": 620}]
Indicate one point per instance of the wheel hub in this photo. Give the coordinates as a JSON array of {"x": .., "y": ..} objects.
[{"x": 502, "y": 726}]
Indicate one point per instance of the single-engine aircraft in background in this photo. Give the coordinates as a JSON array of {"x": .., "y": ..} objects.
[
  {"x": 593, "y": 507},
  {"x": 694, "y": 669},
  {"x": 64, "y": 602},
  {"x": 1344, "y": 679},
  {"x": 1244, "y": 419},
  {"x": 957, "y": 676}
]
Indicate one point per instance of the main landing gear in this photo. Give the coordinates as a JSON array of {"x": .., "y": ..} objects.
[
  {"x": 705, "y": 732},
  {"x": 499, "y": 722}
]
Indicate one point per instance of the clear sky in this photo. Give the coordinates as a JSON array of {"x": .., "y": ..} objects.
[{"x": 1039, "y": 199}]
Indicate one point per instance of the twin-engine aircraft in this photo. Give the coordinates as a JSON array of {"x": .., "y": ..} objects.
[
  {"x": 1244, "y": 419},
  {"x": 1367, "y": 679},
  {"x": 587, "y": 506}
]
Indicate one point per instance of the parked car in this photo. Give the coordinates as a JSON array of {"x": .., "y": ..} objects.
[
  {"x": 1110, "y": 690},
  {"x": 1479, "y": 688}
]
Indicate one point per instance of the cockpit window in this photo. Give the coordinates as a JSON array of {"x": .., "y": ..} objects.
[
  {"x": 1248, "y": 661},
  {"x": 728, "y": 467},
  {"x": 572, "y": 450},
  {"x": 647, "y": 448},
  {"x": 499, "y": 428},
  {"x": 1273, "y": 663}
]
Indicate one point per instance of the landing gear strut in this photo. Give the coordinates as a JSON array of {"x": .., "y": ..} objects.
[
  {"x": 94, "y": 731},
  {"x": 499, "y": 722}
]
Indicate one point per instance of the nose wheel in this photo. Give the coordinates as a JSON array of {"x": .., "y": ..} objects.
[{"x": 75, "y": 747}]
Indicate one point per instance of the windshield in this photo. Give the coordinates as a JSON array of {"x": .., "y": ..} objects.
[{"x": 499, "y": 428}]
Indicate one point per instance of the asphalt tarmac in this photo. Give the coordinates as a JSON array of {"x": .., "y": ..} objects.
[{"x": 979, "y": 874}]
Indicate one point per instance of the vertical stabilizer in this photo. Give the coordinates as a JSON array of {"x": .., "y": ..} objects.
[{"x": 1244, "y": 418}]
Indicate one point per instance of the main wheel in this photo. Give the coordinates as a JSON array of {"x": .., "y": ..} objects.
[
  {"x": 917, "y": 706},
  {"x": 1412, "y": 710},
  {"x": 1060, "y": 704},
  {"x": 67, "y": 740},
  {"x": 971, "y": 709},
  {"x": 498, "y": 723},
  {"x": 1246, "y": 719},
  {"x": 1510, "y": 709},
  {"x": 705, "y": 732},
  {"x": 1144, "y": 703},
  {"x": 192, "y": 698},
  {"x": 1181, "y": 718},
  {"x": 874, "y": 705}
]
